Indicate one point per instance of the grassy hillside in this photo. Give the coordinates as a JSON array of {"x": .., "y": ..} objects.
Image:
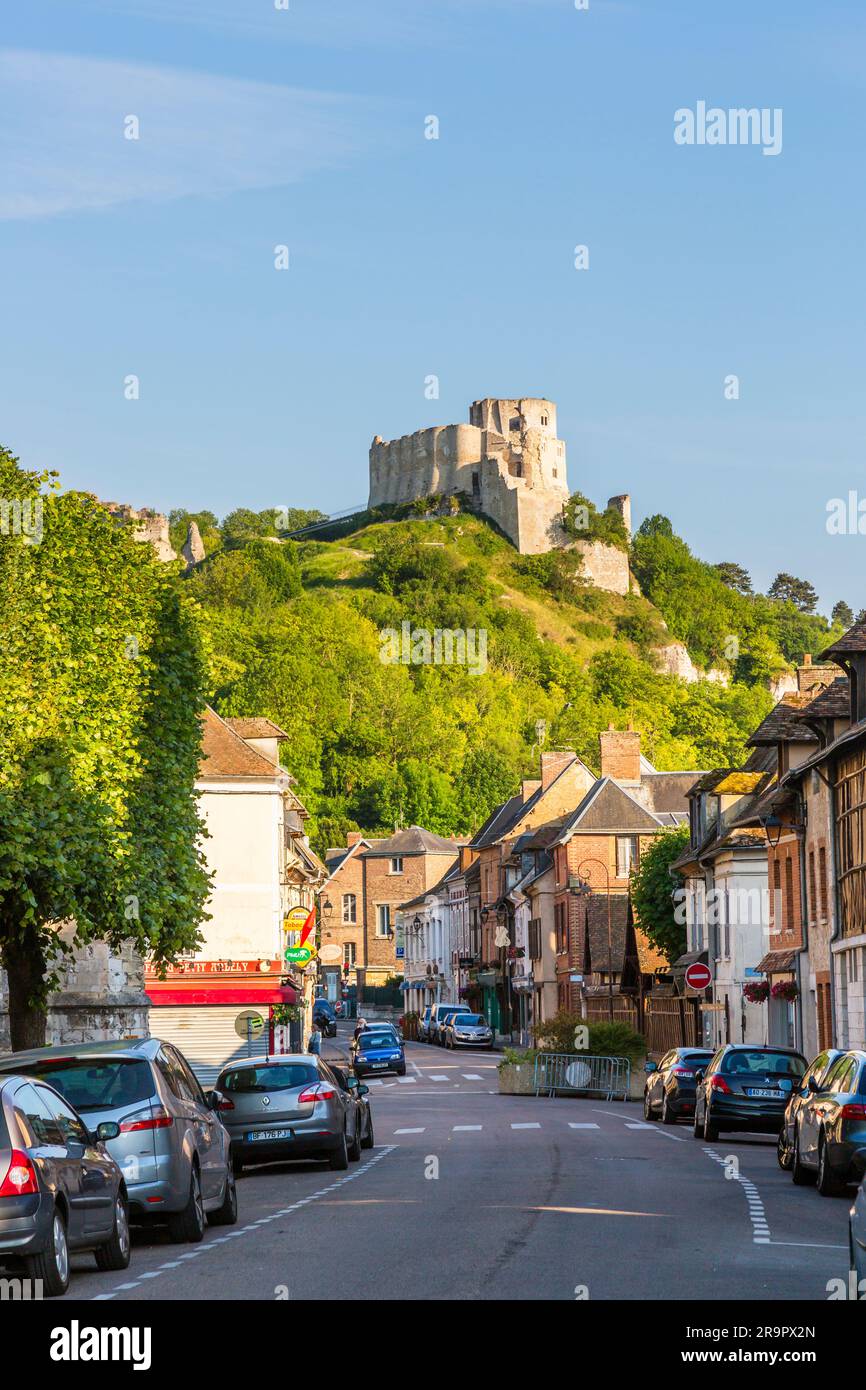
[{"x": 294, "y": 631}]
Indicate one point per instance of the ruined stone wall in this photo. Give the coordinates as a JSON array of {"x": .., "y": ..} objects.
[{"x": 605, "y": 566}]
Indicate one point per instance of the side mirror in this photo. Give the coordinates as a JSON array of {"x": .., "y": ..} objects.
[
  {"x": 363, "y": 1090},
  {"x": 351, "y": 1082},
  {"x": 813, "y": 1086},
  {"x": 650, "y": 1067},
  {"x": 107, "y": 1130}
]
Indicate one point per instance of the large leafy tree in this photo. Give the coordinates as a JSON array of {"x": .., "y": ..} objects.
[
  {"x": 787, "y": 588},
  {"x": 652, "y": 890},
  {"x": 101, "y": 688}
]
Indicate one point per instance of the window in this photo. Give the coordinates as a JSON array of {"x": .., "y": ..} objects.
[
  {"x": 626, "y": 855},
  {"x": 349, "y": 953},
  {"x": 535, "y": 939},
  {"x": 383, "y": 919},
  {"x": 350, "y": 907},
  {"x": 777, "y": 896},
  {"x": 813, "y": 899},
  {"x": 71, "y": 1127},
  {"x": 544, "y": 419},
  {"x": 35, "y": 1120},
  {"x": 822, "y": 881},
  {"x": 561, "y": 921},
  {"x": 396, "y": 866},
  {"x": 789, "y": 894}
]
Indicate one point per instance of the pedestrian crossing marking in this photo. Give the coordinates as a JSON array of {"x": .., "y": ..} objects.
[
  {"x": 470, "y": 1076},
  {"x": 638, "y": 1124},
  {"x": 407, "y": 1080},
  {"x": 460, "y": 1129},
  {"x": 410, "y": 1131},
  {"x": 584, "y": 1125},
  {"x": 526, "y": 1126},
  {"x": 438, "y": 1078}
]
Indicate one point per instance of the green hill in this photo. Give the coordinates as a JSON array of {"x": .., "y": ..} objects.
[{"x": 294, "y": 632}]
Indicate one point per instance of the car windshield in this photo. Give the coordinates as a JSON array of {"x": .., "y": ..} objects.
[
  {"x": 763, "y": 1062},
  {"x": 95, "y": 1083},
  {"x": 282, "y": 1077},
  {"x": 693, "y": 1058},
  {"x": 470, "y": 1020},
  {"x": 368, "y": 1040}
]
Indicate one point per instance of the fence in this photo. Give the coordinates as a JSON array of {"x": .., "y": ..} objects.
[
  {"x": 665, "y": 1022},
  {"x": 609, "y": 1077},
  {"x": 390, "y": 995}
]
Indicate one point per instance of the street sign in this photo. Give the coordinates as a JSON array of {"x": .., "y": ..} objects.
[
  {"x": 295, "y": 918},
  {"x": 249, "y": 1025},
  {"x": 298, "y": 955},
  {"x": 330, "y": 955},
  {"x": 699, "y": 976}
]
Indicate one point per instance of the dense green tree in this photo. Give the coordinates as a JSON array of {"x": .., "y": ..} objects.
[
  {"x": 734, "y": 576},
  {"x": 842, "y": 615},
  {"x": 208, "y": 526},
  {"x": 101, "y": 688},
  {"x": 652, "y": 892},
  {"x": 786, "y": 588}
]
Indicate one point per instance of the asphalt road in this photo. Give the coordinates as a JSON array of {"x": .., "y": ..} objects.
[{"x": 472, "y": 1195}]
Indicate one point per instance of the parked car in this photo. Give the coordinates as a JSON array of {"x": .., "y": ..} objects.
[
  {"x": 390, "y": 1028},
  {"x": 359, "y": 1093},
  {"x": 377, "y": 1052},
  {"x": 830, "y": 1133},
  {"x": 325, "y": 1016},
  {"x": 60, "y": 1189},
  {"x": 467, "y": 1030},
  {"x": 172, "y": 1147},
  {"x": 424, "y": 1022},
  {"x": 438, "y": 1015},
  {"x": 817, "y": 1070},
  {"x": 669, "y": 1093},
  {"x": 857, "y": 1238},
  {"x": 745, "y": 1088},
  {"x": 287, "y": 1108}
]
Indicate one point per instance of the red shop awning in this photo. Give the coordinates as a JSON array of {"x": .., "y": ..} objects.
[{"x": 163, "y": 993}]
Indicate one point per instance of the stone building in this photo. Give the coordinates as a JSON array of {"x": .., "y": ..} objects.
[
  {"x": 510, "y": 464},
  {"x": 150, "y": 527}
]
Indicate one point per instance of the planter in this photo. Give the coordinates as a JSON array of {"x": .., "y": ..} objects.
[{"x": 516, "y": 1079}]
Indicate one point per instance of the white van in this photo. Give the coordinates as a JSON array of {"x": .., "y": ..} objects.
[{"x": 439, "y": 1011}]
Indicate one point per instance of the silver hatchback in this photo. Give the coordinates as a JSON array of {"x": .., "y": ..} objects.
[
  {"x": 172, "y": 1149},
  {"x": 288, "y": 1107}
]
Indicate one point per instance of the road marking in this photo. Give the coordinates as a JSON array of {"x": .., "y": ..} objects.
[
  {"x": 589, "y": 1124},
  {"x": 438, "y": 1078},
  {"x": 526, "y": 1126},
  {"x": 757, "y": 1216},
  {"x": 410, "y": 1131},
  {"x": 408, "y": 1080},
  {"x": 807, "y": 1245},
  {"x": 462, "y": 1129},
  {"x": 638, "y": 1124},
  {"x": 470, "y": 1076},
  {"x": 377, "y": 1157}
]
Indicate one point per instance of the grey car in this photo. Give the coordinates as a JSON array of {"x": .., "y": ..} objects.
[
  {"x": 172, "y": 1148},
  {"x": 59, "y": 1188},
  {"x": 286, "y": 1108},
  {"x": 468, "y": 1030}
]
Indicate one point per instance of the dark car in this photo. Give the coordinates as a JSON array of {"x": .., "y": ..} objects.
[
  {"x": 378, "y": 1052},
  {"x": 669, "y": 1093},
  {"x": 746, "y": 1088},
  {"x": 364, "y": 1123},
  {"x": 287, "y": 1107},
  {"x": 830, "y": 1134},
  {"x": 325, "y": 1016},
  {"x": 857, "y": 1239},
  {"x": 817, "y": 1070},
  {"x": 59, "y": 1188}
]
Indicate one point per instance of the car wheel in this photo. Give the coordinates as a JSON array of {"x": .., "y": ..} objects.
[
  {"x": 647, "y": 1106},
  {"x": 188, "y": 1225},
  {"x": 367, "y": 1141},
  {"x": 784, "y": 1157},
  {"x": 237, "y": 1165},
  {"x": 227, "y": 1213},
  {"x": 711, "y": 1131},
  {"x": 828, "y": 1183},
  {"x": 114, "y": 1254},
  {"x": 354, "y": 1150},
  {"x": 799, "y": 1175},
  {"x": 339, "y": 1159},
  {"x": 668, "y": 1116},
  {"x": 401, "y": 1071},
  {"x": 51, "y": 1265}
]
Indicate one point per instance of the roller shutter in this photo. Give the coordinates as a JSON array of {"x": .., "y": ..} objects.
[{"x": 206, "y": 1036}]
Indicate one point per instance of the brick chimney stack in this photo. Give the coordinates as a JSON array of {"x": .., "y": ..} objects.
[
  {"x": 528, "y": 788},
  {"x": 553, "y": 763},
  {"x": 352, "y": 838},
  {"x": 620, "y": 754}
]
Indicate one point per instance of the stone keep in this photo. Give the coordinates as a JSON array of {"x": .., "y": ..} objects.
[{"x": 508, "y": 460}]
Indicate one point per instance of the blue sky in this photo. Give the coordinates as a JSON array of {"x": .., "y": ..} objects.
[{"x": 412, "y": 257}]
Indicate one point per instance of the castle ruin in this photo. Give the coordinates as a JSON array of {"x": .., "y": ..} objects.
[{"x": 507, "y": 460}]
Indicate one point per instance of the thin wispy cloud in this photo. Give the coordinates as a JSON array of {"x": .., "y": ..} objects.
[{"x": 63, "y": 147}]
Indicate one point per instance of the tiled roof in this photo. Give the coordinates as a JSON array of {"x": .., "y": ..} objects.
[
  {"x": 255, "y": 727},
  {"x": 607, "y": 807},
  {"x": 783, "y": 724},
  {"x": 649, "y": 956},
  {"x": 414, "y": 840},
  {"x": 225, "y": 754},
  {"x": 667, "y": 791},
  {"x": 832, "y": 703},
  {"x": 499, "y": 820},
  {"x": 854, "y": 640}
]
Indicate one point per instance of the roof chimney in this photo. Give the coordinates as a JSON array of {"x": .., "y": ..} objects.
[
  {"x": 528, "y": 788},
  {"x": 555, "y": 762},
  {"x": 620, "y": 754},
  {"x": 807, "y": 658},
  {"x": 352, "y": 838}
]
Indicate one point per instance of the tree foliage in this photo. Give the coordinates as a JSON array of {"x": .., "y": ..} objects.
[{"x": 652, "y": 890}]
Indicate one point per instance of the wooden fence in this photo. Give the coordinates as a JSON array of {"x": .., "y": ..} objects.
[{"x": 665, "y": 1022}]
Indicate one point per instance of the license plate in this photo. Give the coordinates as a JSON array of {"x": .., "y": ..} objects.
[
  {"x": 766, "y": 1095},
  {"x": 378, "y": 1064},
  {"x": 269, "y": 1134}
]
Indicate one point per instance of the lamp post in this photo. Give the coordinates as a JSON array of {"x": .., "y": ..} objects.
[{"x": 585, "y": 890}]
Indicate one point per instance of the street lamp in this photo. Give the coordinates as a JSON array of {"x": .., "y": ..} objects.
[
  {"x": 585, "y": 890},
  {"x": 327, "y": 908}
]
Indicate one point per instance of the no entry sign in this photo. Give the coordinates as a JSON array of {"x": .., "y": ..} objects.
[{"x": 698, "y": 976}]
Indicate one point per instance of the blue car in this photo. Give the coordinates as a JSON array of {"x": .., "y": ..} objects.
[{"x": 375, "y": 1052}]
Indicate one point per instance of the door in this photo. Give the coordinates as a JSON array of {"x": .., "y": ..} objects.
[
  {"x": 204, "y": 1123},
  {"x": 97, "y": 1175},
  {"x": 46, "y": 1145}
]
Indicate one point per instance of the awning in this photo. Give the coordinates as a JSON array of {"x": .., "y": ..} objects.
[
  {"x": 777, "y": 962},
  {"x": 165, "y": 993}
]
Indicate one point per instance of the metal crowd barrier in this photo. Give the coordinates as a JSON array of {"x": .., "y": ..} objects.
[{"x": 609, "y": 1077}]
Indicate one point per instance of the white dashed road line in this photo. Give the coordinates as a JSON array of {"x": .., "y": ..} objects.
[
  {"x": 464, "y": 1129},
  {"x": 590, "y": 1124},
  {"x": 526, "y": 1126},
  {"x": 757, "y": 1215},
  {"x": 410, "y": 1131}
]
